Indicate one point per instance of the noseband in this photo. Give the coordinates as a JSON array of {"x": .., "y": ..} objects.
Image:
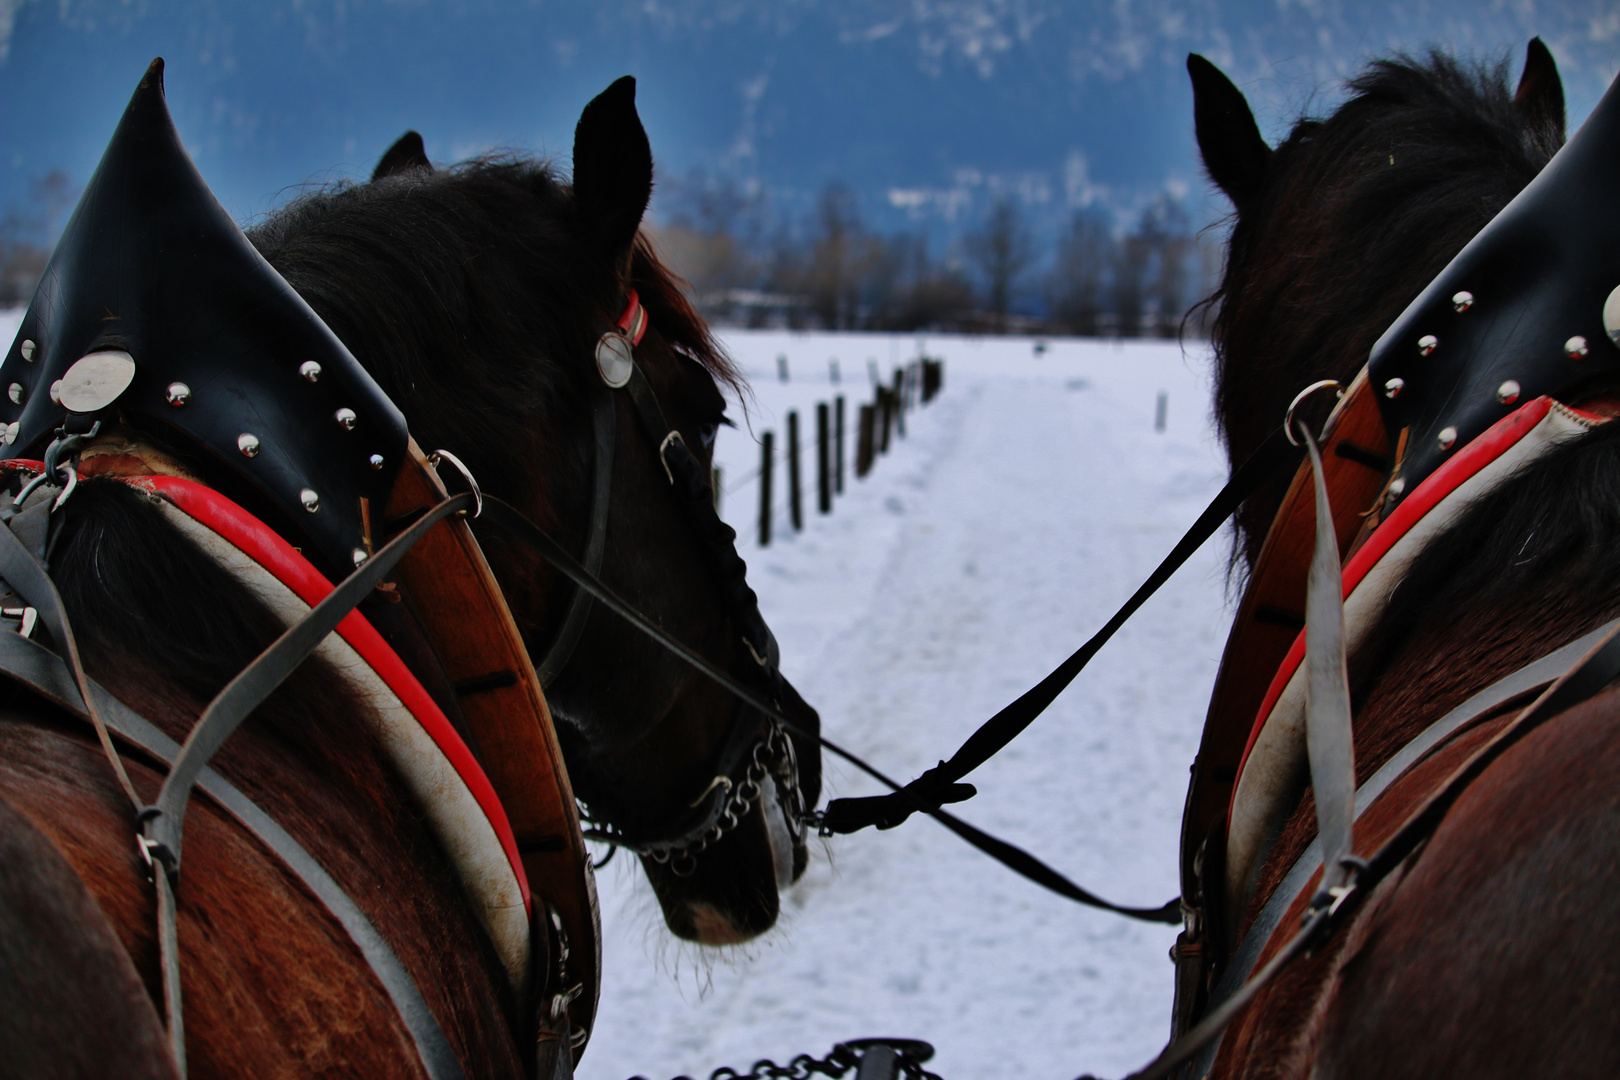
[{"x": 756, "y": 746}]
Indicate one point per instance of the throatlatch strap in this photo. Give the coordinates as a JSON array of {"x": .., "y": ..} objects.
[{"x": 942, "y": 784}]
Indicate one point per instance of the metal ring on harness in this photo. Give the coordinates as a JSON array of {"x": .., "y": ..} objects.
[
  {"x": 672, "y": 437},
  {"x": 1299, "y": 399},
  {"x": 466, "y": 474}
]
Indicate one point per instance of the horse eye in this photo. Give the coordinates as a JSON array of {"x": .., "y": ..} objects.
[{"x": 707, "y": 433}]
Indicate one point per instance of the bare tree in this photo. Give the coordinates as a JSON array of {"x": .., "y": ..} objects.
[
  {"x": 1075, "y": 288},
  {"x": 1168, "y": 236},
  {"x": 1002, "y": 251},
  {"x": 27, "y": 235}
]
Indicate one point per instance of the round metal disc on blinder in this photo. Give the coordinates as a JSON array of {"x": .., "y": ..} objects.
[
  {"x": 1611, "y": 316},
  {"x": 614, "y": 359},
  {"x": 95, "y": 380}
]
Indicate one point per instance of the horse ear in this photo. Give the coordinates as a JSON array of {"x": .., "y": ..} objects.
[
  {"x": 407, "y": 153},
  {"x": 612, "y": 167},
  {"x": 1228, "y": 138},
  {"x": 1540, "y": 97}
]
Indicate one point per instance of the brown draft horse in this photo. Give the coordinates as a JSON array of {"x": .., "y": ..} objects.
[
  {"x": 474, "y": 295},
  {"x": 1493, "y": 953}
]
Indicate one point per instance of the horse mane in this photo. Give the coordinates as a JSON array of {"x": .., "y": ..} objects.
[
  {"x": 1358, "y": 213},
  {"x": 462, "y": 292}
]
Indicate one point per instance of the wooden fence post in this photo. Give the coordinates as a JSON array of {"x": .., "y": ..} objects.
[
  {"x": 823, "y": 461},
  {"x": 781, "y": 366},
  {"x": 838, "y": 444},
  {"x": 795, "y": 492},
  {"x": 900, "y": 402},
  {"x": 766, "y": 461},
  {"x": 885, "y": 404},
  {"x": 864, "y": 440}
]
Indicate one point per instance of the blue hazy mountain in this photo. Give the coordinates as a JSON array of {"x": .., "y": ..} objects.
[{"x": 927, "y": 109}]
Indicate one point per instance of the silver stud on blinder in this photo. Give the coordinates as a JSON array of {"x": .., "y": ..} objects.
[
  {"x": 1427, "y": 344},
  {"x": 1576, "y": 348},
  {"x": 1508, "y": 392}
]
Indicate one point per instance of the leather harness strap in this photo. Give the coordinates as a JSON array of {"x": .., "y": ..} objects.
[
  {"x": 32, "y": 665},
  {"x": 604, "y": 425},
  {"x": 1532, "y": 676},
  {"x": 466, "y": 619},
  {"x": 1272, "y": 611}
]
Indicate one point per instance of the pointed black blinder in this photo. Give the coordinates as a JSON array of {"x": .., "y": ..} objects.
[
  {"x": 155, "y": 308},
  {"x": 1530, "y": 307}
]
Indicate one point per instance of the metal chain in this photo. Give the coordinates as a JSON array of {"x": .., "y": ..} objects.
[
  {"x": 845, "y": 1058},
  {"x": 772, "y": 756}
]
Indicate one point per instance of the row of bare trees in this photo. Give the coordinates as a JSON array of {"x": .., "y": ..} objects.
[{"x": 830, "y": 270}]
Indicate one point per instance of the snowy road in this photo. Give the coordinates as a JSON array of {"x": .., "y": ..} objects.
[{"x": 1027, "y": 502}]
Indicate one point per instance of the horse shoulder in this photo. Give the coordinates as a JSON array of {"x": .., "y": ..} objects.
[
  {"x": 271, "y": 983},
  {"x": 1497, "y": 953},
  {"x": 71, "y": 1003}
]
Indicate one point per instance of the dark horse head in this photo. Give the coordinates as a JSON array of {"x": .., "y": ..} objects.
[
  {"x": 1340, "y": 226},
  {"x": 476, "y": 296}
]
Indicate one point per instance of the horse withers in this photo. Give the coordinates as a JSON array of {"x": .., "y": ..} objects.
[{"x": 1478, "y": 531}]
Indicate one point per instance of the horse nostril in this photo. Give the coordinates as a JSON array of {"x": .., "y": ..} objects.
[{"x": 710, "y": 926}]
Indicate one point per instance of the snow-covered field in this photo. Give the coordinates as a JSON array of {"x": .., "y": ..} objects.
[{"x": 1024, "y": 505}]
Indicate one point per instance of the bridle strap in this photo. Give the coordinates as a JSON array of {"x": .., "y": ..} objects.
[{"x": 604, "y": 424}]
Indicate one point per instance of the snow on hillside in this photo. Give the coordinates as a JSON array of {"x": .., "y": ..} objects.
[{"x": 1024, "y": 506}]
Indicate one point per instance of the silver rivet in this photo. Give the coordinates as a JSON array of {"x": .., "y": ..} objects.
[
  {"x": 1575, "y": 348},
  {"x": 1427, "y": 344},
  {"x": 11, "y": 432},
  {"x": 1393, "y": 388},
  {"x": 28, "y": 351},
  {"x": 1448, "y": 436},
  {"x": 1508, "y": 392},
  {"x": 1611, "y": 316},
  {"x": 1462, "y": 301},
  {"x": 15, "y": 392},
  {"x": 345, "y": 419},
  {"x": 1397, "y": 485},
  {"x": 177, "y": 394},
  {"x": 56, "y": 391},
  {"x": 310, "y": 370},
  {"x": 311, "y": 501},
  {"x": 359, "y": 555},
  {"x": 375, "y": 461},
  {"x": 248, "y": 443}
]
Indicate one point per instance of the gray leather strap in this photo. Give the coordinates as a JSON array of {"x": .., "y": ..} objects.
[
  {"x": 42, "y": 671},
  {"x": 1526, "y": 679},
  {"x": 164, "y": 820},
  {"x": 1329, "y": 744}
]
